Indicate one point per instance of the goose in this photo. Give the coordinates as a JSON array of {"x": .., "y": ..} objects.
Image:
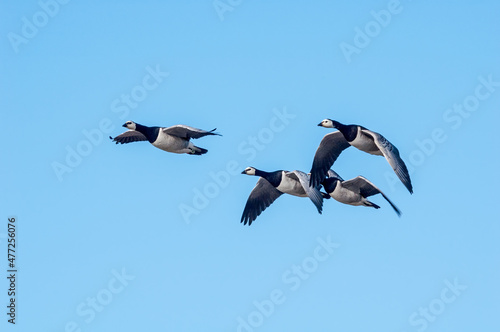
[
  {"x": 272, "y": 185},
  {"x": 174, "y": 139},
  {"x": 354, "y": 191},
  {"x": 361, "y": 138}
]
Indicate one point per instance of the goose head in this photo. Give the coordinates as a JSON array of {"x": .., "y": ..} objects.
[
  {"x": 328, "y": 123},
  {"x": 249, "y": 171},
  {"x": 129, "y": 125}
]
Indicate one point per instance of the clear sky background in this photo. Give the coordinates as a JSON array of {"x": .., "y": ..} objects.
[{"x": 119, "y": 238}]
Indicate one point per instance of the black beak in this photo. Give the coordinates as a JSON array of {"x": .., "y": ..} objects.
[
  {"x": 243, "y": 172},
  {"x": 320, "y": 124},
  {"x": 124, "y": 125}
]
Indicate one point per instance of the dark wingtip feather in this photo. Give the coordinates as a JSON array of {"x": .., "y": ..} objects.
[
  {"x": 313, "y": 181},
  {"x": 408, "y": 185},
  {"x": 245, "y": 220},
  {"x": 398, "y": 212},
  {"x": 407, "y": 181},
  {"x": 212, "y": 132}
]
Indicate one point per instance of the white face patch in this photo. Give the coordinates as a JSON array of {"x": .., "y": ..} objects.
[
  {"x": 250, "y": 171},
  {"x": 327, "y": 123},
  {"x": 130, "y": 125}
]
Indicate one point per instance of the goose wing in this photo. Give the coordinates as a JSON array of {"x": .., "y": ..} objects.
[
  {"x": 262, "y": 195},
  {"x": 366, "y": 188},
  {"x": 312, "y": 192},
  {"x": 391, "y": 154},
  {"x": 187, "y": 132},
  {"x": 329, "y": 149},
  {"x": 129, "y": 137}
]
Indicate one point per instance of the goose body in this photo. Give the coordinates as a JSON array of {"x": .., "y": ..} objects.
[
  {"x": 175, "y": 139},
  {"x": 291, "y": 185},
  {"x": 272, "y": 185},
  {"x": 172, "y": 143},
  {"x": 344, "y": 195},
  {"x": 354, "y": 191},
  {"x": 363, "y": 139},
  {"x": 365, "y": 142}
]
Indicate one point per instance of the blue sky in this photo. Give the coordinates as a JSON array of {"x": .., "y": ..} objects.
[{"x": 104, "y": 239}]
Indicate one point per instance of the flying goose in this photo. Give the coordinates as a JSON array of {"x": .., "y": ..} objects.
[
  {"x": 365, "y": 140},
  {"x": 272, "y": 185},
  {"x": 174, "y": 139},
  {"x": 354, "y": 191}
]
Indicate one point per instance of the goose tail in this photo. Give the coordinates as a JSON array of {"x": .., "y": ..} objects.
[
  {"x": 197, "y": 151},
  {"x": 371, "y": 204}
]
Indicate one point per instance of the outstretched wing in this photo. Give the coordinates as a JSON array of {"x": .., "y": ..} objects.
[
  {"x": 263, "y": 195},
  {"x": 391, "y": 154},
  {"x": 187, "y": 132},
  {"x": 366, "y": 188},
  {"x": 312, "y": 192},
  {"x": 129, "y": 137},
  {"x": 329, "y": 149}
]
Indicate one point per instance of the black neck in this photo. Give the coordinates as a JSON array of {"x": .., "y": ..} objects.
[
  {"x": 329, "y": 184},
  {"x": 349, "y": 131},
  {"x": 273, "y": 178},
  {"x": 341, "y": 127},
  {"x": 151, "y": 133},
  {"x": 260, "y": 173},
  {"x": 337, "y": 124}
]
